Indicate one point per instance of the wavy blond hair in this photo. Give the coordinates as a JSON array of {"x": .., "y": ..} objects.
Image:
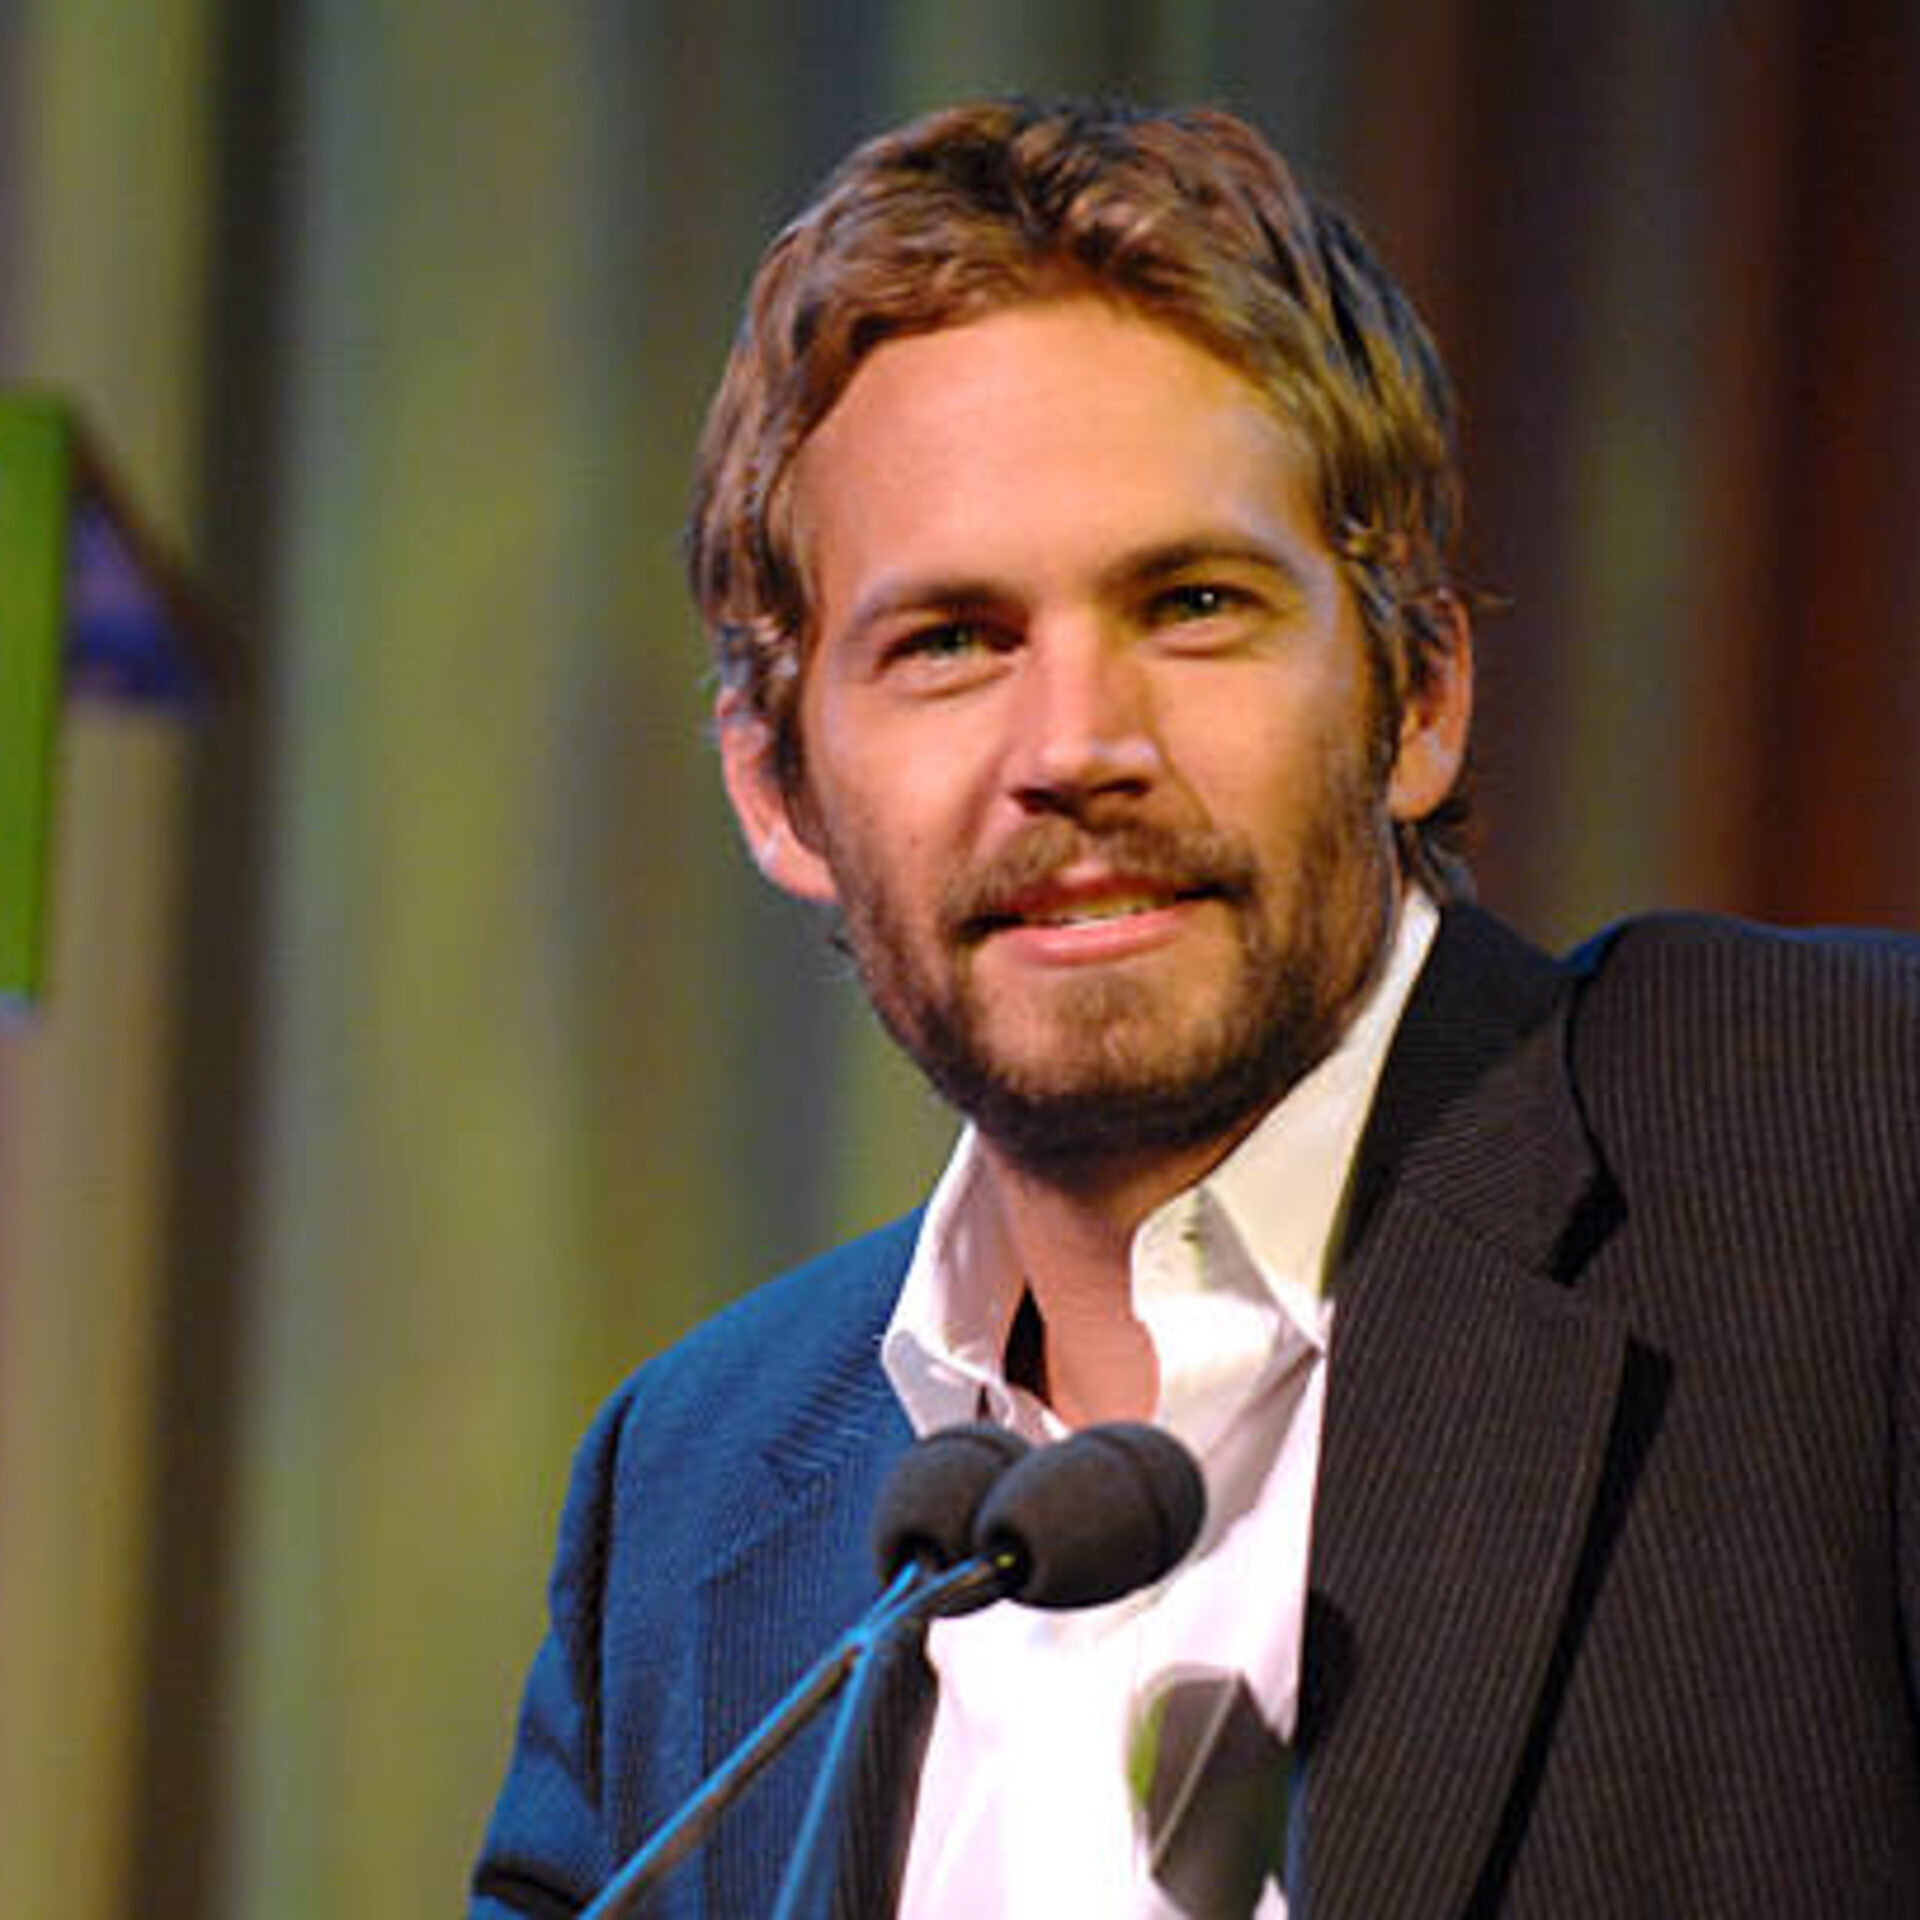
[{"x": 1187, "y": 218}]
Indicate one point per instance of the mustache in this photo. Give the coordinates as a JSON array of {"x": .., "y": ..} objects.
[{"x": 1188, "y": 861}]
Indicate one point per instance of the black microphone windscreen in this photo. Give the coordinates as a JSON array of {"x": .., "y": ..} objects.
[
  {"x": 1104, "y": 1511},
  {"x": 927, "y": 1508}
]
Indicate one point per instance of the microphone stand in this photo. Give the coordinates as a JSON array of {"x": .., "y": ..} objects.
[
  {"x": 1032, "y": 1520},
  {"x": 877, "y": 1639},
  {"x": 912, "y": 1596}
]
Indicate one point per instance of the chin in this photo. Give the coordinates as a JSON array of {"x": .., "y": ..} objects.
[{"x": 1064, "y": 1109}]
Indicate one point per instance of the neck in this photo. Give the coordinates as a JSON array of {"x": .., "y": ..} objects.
[
  {"x": 1066, "y": 1229},
  {"x": 1070, "y": 1238}
]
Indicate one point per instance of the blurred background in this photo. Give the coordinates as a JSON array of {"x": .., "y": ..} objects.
[{"x": 419, "y": 1052}]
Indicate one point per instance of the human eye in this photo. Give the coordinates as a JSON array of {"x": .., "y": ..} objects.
[
  {"x": 936, "y": 655},
  {"x": 941, "y": 640},
  {"x": 1204, "y": 613},
  {"x": 1199, "y": 600}
]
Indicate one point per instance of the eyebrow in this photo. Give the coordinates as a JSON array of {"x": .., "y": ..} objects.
[
  {"x": 1129, "y": 573},
  {"x": 909, "y": 595},
  {"x": 1202, "y": 549}
]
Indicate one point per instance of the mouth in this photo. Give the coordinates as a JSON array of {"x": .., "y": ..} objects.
[
  {"x": 1067, "y": 901},
  {"x": 1069, "y": 894}
]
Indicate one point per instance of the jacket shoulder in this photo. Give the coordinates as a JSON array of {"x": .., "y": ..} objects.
[
  {"x": 1840, "y": 991},
  {"x": 1714, "y": 940},
  {"x": 677, "y": 1472},
  {"x": 684, "y": 1467},
  {"x": 759, "y": 1362},
  {"x": 1704, "y": 1047}
]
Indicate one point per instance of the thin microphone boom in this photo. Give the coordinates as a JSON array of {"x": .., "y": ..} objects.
[
  {"x": 924, "y": 1523},
  {"x": 1109, "y": 1509},
  {"x": 969, "y": 1516}
]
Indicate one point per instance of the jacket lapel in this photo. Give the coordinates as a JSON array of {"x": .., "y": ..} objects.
[{"x": 1470, "y": 1402}]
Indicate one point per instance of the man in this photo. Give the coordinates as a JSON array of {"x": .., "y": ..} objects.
[{"x": 1075, "y": 526}]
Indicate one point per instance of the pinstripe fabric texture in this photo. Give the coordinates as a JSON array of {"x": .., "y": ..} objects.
[
  {"x": 1615, "y": 1574},
  {"x": 1611, "y": 1562}
]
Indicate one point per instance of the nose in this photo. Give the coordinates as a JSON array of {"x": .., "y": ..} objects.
[{"x": 1084, "y": 724}]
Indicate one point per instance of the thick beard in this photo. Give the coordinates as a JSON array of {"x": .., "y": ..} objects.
[{"x": 1300, "y": 974}]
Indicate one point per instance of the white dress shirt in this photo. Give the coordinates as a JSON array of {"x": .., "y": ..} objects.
[{"x": 1076, "y": 1759}]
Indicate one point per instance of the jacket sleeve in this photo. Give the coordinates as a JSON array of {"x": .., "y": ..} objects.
[{"x": 546, "y": 1852}]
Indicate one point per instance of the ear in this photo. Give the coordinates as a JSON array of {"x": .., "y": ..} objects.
[
  {"x": 1435, "y": 722},
  {"x": 781, "y": 849}
]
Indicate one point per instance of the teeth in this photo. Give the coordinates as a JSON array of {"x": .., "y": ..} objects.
[{"x": 1098, "y": 910}]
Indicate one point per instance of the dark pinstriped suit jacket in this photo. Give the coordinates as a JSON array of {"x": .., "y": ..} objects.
[{"x": 1616, "y": 1564}]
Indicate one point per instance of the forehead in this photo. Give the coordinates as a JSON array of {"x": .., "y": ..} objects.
[{"x": 1039, "y": 431}]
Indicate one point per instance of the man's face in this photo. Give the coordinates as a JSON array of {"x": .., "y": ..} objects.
[{"x": 1094, "y": 766}]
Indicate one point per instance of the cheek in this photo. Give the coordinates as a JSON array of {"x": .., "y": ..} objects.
[
  {"x": 1282, "y": 787},
  {"x": 879, "y": 827},
  {"x": 913, "y": 778},
  {"x": 1250, "y": 766}
]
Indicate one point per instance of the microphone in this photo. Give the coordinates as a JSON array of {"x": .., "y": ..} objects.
[
  {"x": 1096, "y": 1516},
  {"x": 1089, "y": 1519},
  {"x": 926, "y": 1509},
  {"x": 969, "y": 1515},
  {"x": 1106, "y": 1511}
]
